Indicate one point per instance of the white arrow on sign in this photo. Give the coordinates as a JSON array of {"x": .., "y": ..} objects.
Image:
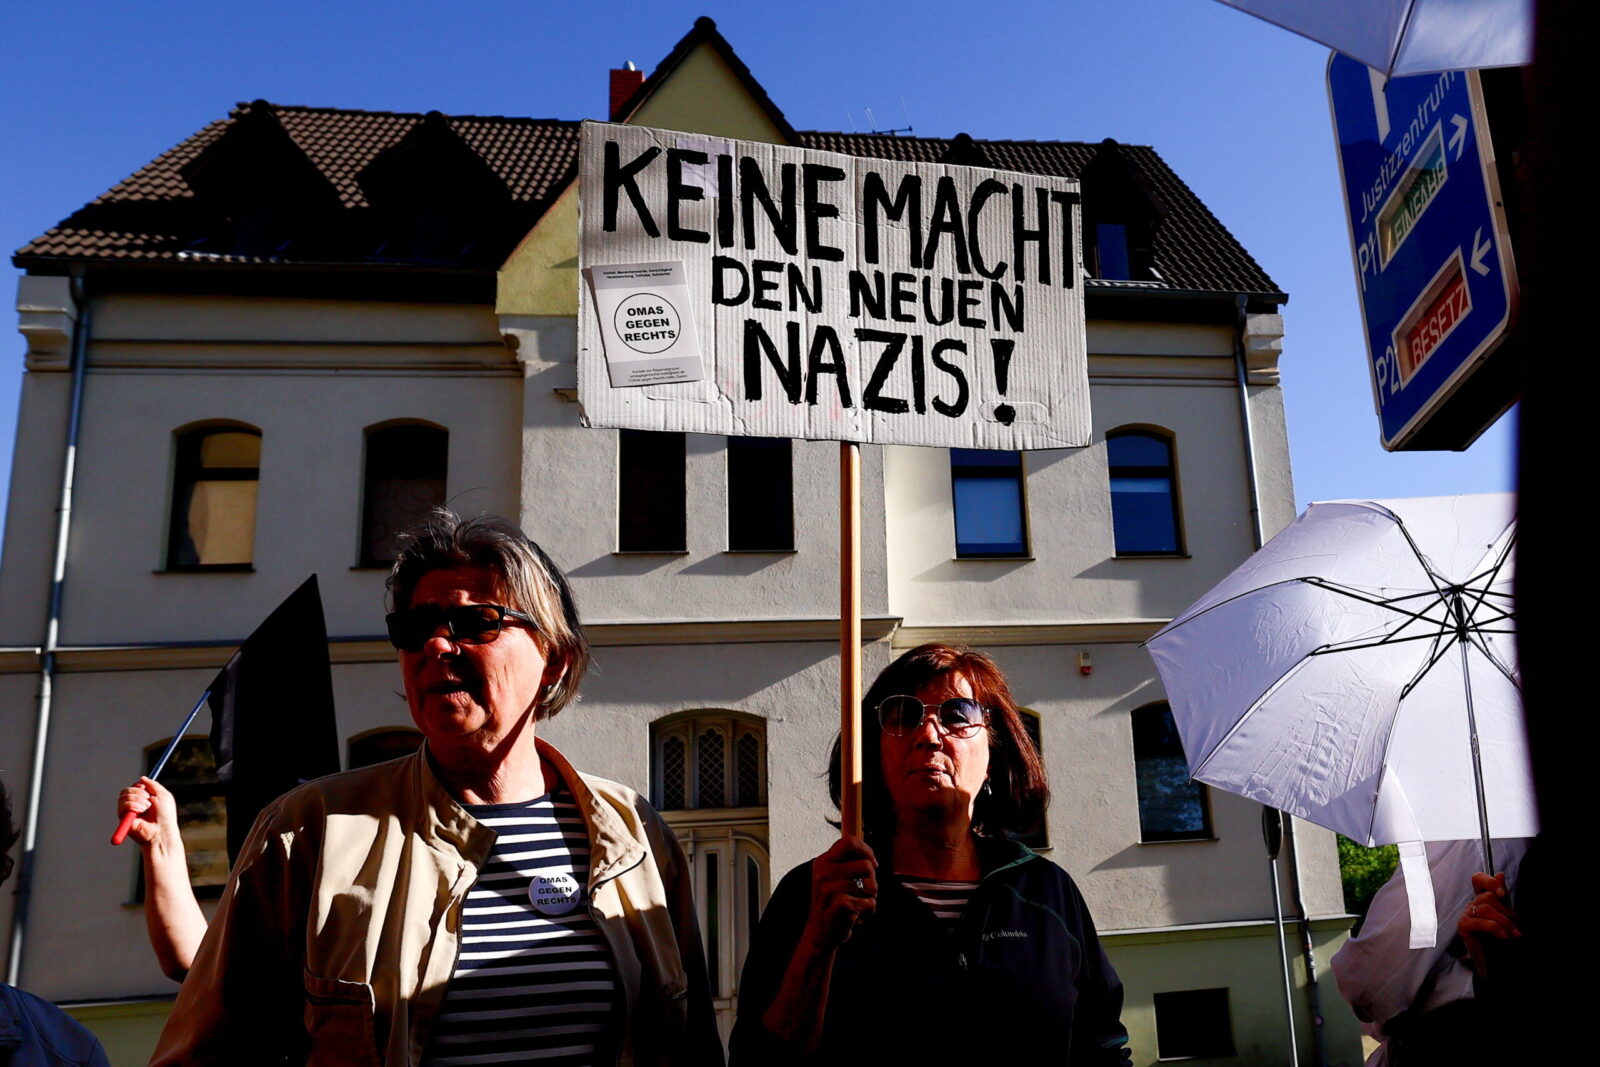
[
  {"x": 1479, "y": 251},
  {"x": 1458, "y": 139}
]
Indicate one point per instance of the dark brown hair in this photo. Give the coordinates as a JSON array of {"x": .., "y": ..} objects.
[
  {"x": 1018, "y": 792},
  {"x": 527, "y": 578}
]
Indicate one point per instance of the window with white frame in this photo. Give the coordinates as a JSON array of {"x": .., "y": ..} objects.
[
  {"x": 1145, "y": 517},
  {"x": 989, "y": 504},
  {"x": 714, "y": 761},
  {"x": 708, "y": 774}
]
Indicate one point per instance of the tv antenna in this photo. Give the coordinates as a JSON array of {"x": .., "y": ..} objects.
[{"x": 872, "y": 121}]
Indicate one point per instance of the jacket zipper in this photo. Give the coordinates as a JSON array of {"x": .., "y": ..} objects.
[
  {"x": 605, "y": 931},
  {"x": 972, "y": 923}
]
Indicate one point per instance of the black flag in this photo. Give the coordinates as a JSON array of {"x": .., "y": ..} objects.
[{"x": 272, "y": 724}]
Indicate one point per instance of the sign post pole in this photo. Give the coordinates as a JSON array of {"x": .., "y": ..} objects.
[{"x": 850, "y": 639}]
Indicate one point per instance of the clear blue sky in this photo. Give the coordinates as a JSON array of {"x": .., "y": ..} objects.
[{"x": 90, "y": 91}]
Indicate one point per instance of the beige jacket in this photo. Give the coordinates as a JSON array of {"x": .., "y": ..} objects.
[{"x": 339, "y": 929}]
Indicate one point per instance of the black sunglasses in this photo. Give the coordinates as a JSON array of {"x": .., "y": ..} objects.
[
  {"x": 958, "y": 716},
  {"x": 468, "y": 624}
]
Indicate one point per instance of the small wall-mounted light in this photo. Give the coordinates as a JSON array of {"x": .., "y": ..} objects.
[{"x": 1085, "y": 664}]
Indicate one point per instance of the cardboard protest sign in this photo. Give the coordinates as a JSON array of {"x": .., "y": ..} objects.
[{"x": 739, "y": 288}]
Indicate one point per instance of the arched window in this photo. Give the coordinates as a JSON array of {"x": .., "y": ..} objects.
[
  {"x": 708, "y": 761},
  {"x": 214, "y": 480},
  {"x": 708, "y": 774},
  {"x": 382, "y": 745},
  {"x": 405, "y": 473},
  {"x": 1172, "y": 806},
  {"x": 1144, "y": 493},
  {"x": 191, "y": 775},
  {"x": 1037, "y": 835}
]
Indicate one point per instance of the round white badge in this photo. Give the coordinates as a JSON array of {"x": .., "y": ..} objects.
[
  {"x": 554, "y": 894},
  {"x": 648, "y": 323}
]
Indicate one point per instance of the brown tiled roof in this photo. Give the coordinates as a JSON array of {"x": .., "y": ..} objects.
[
  {"x": 155, "y": 214},
  {"x": 533, "y": 157},
  {"x": 1192, "y": 249}
]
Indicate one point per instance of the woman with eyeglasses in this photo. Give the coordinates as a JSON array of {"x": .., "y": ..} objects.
[
  {"x": 938, "y": 938},
  {"x": 480, "y": 901}
]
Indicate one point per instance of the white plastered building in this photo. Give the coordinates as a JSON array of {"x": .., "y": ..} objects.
[{"x": 302, "y": 322}]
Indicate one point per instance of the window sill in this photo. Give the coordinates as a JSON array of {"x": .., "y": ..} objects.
[
  {"x": 212, "y": 568},
  {"x": 1183, "y": 840},
  {"x": 760, "y": 552},
  {"x": 1152, "y": 555},
  {"x": 651, "y": 552},
  {"x": 992, "y": 559}
]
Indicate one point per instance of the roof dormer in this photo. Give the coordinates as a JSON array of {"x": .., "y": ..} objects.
[
  {"x": 434, "y": 199},
  {"x": 265, "y": 197},
  {"x": 1121, "y": 213}
]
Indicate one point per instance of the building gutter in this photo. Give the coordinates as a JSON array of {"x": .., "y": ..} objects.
[
  {"x": 1259, "y": 536},
  {"x": 52, "y": 634},
  {"x": 1257, "y": 530}
]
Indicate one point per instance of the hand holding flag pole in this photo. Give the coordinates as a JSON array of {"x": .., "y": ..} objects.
[
  {"x": 272, "y": 718},
  {"x": 155, "y": 772}
]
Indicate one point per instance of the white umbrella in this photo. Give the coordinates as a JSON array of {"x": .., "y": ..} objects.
[
  {"x": 1399, "y": 37},
  {"x": 1347, "y": 671}
]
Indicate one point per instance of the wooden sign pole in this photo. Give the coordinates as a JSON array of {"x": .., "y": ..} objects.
[{"x": 850, "y": 638}]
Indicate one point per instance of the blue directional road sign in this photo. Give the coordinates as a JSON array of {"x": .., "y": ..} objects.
[{"x": 1427, "y": 226}]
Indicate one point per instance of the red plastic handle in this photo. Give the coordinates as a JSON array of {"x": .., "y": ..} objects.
[{"x": 122, "y": 827}]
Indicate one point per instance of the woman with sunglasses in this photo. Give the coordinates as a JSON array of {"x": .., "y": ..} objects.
[
  {"x": 478, "y": 901},
  {"x": 938, "y": 938}
]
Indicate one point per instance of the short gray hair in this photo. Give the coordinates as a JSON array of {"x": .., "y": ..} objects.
[{"x": 529, "y": 580}]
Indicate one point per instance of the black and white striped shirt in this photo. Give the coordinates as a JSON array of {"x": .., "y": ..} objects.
[
  {"x": 947, "y": 900},
  {"x": 535, "y": 981}
]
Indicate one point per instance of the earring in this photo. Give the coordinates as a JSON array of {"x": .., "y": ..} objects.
[{"x": 987, "y": 788}]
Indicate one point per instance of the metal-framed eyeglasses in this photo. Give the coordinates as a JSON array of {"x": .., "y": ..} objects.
[
  {"x": 904, "y": 714},
  {"x": 467, "y": 624}
]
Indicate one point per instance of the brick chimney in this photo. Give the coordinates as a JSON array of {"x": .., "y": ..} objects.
[{"x": 624, "y": 83}]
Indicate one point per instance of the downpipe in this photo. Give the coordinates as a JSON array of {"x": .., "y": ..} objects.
[
  {"x": 1296, "y": 899},
  {"x": 52, "y": 636}
]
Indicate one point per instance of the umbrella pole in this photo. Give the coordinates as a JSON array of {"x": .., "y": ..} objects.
[
  {"x": 1272, "y": 830},
  {"x": 1477, "y": 759}
]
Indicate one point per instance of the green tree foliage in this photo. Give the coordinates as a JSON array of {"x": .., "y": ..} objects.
[{"x": 1363, "y": 871}]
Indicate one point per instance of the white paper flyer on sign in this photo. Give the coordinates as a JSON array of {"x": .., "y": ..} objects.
[{"x": 646, "y": 325}]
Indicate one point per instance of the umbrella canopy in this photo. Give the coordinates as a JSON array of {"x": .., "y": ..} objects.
[
  {"x": 1336, "y": 673},
  {"x": 1399, "y": 37}
]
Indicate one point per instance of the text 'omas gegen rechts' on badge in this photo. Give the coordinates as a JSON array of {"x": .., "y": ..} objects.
[{"x": 646, "y": 326}]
